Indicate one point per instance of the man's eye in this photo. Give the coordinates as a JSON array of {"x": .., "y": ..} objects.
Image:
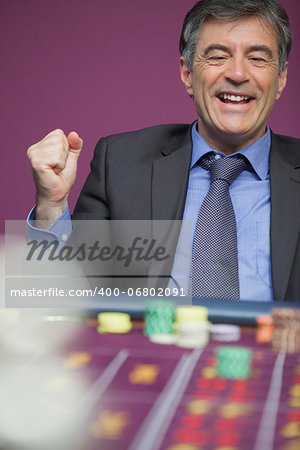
[
  {"x": 217, "y": 58},
  {"x": 258, "y": 59}
]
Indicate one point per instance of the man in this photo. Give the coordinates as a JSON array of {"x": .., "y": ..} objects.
[{"x": 234, "y": 65}]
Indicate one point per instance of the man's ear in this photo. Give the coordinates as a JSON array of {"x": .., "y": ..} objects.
[
  {"x": 186, "y": 77},
  {"x": 282, "y": 81}
]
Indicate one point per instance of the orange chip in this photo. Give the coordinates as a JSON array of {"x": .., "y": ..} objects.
[
  {"x": 265, "y": 329},
  {"x": 264, "y": 320}
]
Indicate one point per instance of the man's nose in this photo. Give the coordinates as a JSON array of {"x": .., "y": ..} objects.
[{"x": 237, "y": 70}]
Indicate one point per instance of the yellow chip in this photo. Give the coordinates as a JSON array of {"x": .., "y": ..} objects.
[
  {"x": 111, "y": 322},
  {"x": 294, "y": 402},
  {"x": 110, "y": 425},
  {"x": 232, "y": 410},
  {"x": 295, "y": 390},
  {"x": 199, "y": 407},
  {"x": 106, "y": 317},
  {"x": 77, "y": 360},
  {"x": 291, "y": 430},
  {"x": 188, "y": 313}
]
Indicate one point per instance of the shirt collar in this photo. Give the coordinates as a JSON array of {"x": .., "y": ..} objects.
[{"x": 257, "y": 153}]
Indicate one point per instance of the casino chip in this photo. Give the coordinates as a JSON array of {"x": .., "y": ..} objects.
[
  {"x": 233, "y": 362},
  {"x": 193, "y": 334},
  {"x": 225, "y": 333},
  {"x": 165, "y": 339},
  {"x": 286, "y": 334},
  {"x": 191, "y": 313},
  {"x": 159, "y": 317},
  {"x": 114, "y": 323},
  {"x": 265, "y": 328},
  {"x": 192, "y": 326}
]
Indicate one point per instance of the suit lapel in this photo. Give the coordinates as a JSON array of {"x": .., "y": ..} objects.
[
  {"x": 285, "y": 213},
  {"x": 170, "y": 175}
]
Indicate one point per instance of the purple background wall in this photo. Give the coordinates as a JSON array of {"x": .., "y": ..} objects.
[{"x": 97, "y": 67}]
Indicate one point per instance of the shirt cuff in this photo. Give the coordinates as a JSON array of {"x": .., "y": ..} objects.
[{"x": 59, "y": 230}]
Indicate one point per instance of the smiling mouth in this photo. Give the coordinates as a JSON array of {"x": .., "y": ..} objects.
[{"x": 234, "y": 99}]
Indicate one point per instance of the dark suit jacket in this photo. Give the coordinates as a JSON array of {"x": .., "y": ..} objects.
[{"x": 143, "y": 175}]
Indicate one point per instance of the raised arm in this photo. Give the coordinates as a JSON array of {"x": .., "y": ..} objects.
[{"x": 54, "y": 166}]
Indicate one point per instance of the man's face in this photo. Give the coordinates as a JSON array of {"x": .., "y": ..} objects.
[{"x": 235, "y": 81}]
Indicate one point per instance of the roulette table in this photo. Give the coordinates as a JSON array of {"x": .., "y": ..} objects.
[{"x": 121, "y": 391}]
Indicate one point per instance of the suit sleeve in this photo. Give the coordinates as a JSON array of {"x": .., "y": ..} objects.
[{"x": 92, "y": 203}]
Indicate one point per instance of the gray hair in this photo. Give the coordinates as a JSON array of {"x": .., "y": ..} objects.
[{"x": 269, "y": 10}]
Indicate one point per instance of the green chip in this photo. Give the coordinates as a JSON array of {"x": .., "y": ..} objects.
[
  {"x": 234, "y": 352},
  {"x": 233, "y": 362},
  {"x": 156, "y": 326},
  {"x": 159, "y": 317},
  {"x": 233, "y": 372}
]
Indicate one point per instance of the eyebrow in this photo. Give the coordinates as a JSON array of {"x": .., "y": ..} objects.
[
  {"x": 261, "y": 48},
  {"x": 212, "y": 47},
  {"x": 252, "y": 48}
]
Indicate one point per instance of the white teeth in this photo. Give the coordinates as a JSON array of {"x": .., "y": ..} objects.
[{"x": 235, "y": 98}]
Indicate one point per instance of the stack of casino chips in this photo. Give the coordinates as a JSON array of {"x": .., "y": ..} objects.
[
  {"x": 192, "y": 326},
  {"x": 188, "y": 327},
  {"x": 265, "y": 328},
  {"x": 233, "y": 362},
  {"x": 159, "y": 318},
  {"x": 113, "y": 322},
  {"x": 286, "y": 334}
]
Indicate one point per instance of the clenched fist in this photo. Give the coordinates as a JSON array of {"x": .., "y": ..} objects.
[{"x": 54, "y": 165}]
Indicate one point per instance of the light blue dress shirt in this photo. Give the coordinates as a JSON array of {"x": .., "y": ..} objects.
[
  {"x": 59, "y": 230},
  {"x": 250, "y": 194}
]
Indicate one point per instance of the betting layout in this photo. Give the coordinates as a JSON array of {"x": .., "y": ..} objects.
[{"x": 223, "y": 390}]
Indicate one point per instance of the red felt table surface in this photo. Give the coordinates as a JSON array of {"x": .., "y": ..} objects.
[
  {"x": 139, "y": 395},
  {"x": 165, "y": 397}
]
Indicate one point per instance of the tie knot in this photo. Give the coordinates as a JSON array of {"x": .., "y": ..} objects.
[{"x": 227, "y": 169}]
